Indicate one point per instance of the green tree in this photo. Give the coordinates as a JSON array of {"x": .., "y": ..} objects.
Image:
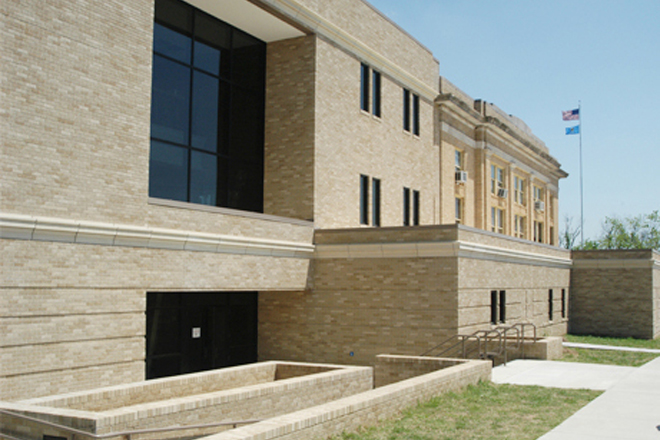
[
  {"x": 640, "y": 232},
  {"x": 568, "y": 235}
]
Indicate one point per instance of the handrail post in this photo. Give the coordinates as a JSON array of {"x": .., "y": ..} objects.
[{"x": 506, "y": 348}]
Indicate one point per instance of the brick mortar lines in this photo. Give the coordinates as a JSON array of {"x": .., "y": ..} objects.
[{"x": 81, "y": 367}]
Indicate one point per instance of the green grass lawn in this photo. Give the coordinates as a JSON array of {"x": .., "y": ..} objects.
[
  {"x": 610, "y": 357},
  {"x": 619, "y": 342},
  {"x": 498, "y": 412},
  {"x": 483, "y": 411}
]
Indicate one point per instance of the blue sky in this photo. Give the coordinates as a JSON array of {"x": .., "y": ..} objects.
[{"x": 535, "y": 58}]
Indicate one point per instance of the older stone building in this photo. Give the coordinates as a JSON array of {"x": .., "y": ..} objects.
[
  {"x": 505, "y": 179},
  {"x": 191, "y": 185}
]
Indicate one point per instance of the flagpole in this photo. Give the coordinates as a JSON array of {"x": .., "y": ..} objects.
[{"x": 581, "y": 181}]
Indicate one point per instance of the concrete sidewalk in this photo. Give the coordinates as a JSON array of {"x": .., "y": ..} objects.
[
  {"x": 628, "y": 409},
  {"x": 560, "y": 374}
]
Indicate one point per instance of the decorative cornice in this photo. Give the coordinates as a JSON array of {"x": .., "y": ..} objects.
[
  {"x": 508, "y": 130},
  {"x": 495, "y": 127},
  {"x": 22, "y": 227},
  {"x": 451, "y": 249}
]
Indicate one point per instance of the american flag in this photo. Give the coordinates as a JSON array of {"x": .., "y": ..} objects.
[{"x": 571, "y": 115}]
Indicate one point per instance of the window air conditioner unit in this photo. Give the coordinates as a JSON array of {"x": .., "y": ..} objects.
[
  {"x": 539, "y": 205},
  {"x": 502, "y": 192},
  {"x": 461, "y": 176}
]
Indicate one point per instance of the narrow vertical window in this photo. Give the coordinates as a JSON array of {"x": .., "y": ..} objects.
[
  {"x": 493, "y": 307},
  {"x": 502, "y": 305},
  {"x": 459, "y": 210},
  {"x": 563, "y": 303},
  {"x": 375, "y": 97},
  {"x": 519, "y": 222},
  {"x": 375, "y": 186},
  {"x": 406, "y": 206},
  {"x": 415, "y": 210},
  {"x": 519, "y": 194},
  {"x": 496, "y": 179},
  {"x": 497, "y": 220},
  {"x": 406, "y": 109},
  {"x": 538, "y": 195},
  {"x": 364, "y": 199},
  {"x": 538, "y": 232},
  {"x": 364, "y": 88},
  {"x": 415, "y": 115},
  {"x": 458, "y": 160},
  {"x": 550, "y": 305}
]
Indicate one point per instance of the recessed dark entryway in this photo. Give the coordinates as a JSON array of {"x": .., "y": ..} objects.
[{"x": 189, "y": 332}]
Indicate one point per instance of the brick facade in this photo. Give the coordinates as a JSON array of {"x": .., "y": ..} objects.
[
  {"x": 405, "y": 290},
  {"x": 82, "y": 243},
  {"x": 616, "y": 293}
]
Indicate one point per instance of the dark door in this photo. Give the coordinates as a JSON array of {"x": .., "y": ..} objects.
[{"x": 189, "y": 332}]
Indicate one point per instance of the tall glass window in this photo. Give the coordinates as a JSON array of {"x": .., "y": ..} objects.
[
  {"x": 375, "y": 202},
  {"x": 406, "y": 206},
  {"x": 364, "y": 87},
  {"x": 376, "y": 94},
  {"x": 520, "y": 193},
  {"x": 364, "y": 199},
  {"x": 207, "y": 110},
  {"x": 406, "y": 109},
  {"x": 415, "y": 115}
]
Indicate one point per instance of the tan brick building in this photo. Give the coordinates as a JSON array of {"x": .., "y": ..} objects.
[{"x": 186, "y": 186}]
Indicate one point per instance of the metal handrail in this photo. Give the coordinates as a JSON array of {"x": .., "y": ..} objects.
[
  {"x": 527, "y": 324},
  {"x": 518, "y": 340},
  {"x": 443, "y": 343},
  {"x": 126, "y": 434},
  {"x": 487, "y": 337},
  {"x": 483, "y": 337},
  {"x": 467, "y": 338},
  {"x": 460, "y": 342},
  {"x": 519, "y": 328}
]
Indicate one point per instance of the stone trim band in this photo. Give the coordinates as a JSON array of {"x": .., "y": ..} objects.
[
  {"x": 450, "y": 249},
  {"x": 23, "y": 227}
]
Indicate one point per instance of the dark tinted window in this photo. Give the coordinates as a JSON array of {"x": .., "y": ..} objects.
[
  {"x": 406, "y": 109},
  {"x": 415, "y": 115},
  {"x": 168, "y": 171},
  {"x": 170, "y": 101},
  {"x": 364, "y": 200},
  {"x": 375, "y": 98},
  {"x": 376, "y": 202},
  {"x": 207, "y": 113},
  {"x": 172, "y": 44},
  {"x": 415, "y": 208},
  {"x": 406, "y": 206},
  {"x": 364, "y": 87}
]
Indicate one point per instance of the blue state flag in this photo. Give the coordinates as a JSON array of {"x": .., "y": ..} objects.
[{"x": 573, "y": 130}]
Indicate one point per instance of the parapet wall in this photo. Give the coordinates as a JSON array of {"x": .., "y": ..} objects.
[
  {"x": 245, "y": 393},
  {"x": 316, "y": 402},
  {"x": 367, "y": 408}
]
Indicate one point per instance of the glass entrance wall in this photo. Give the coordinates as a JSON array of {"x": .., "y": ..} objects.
[
  {"x": 189, "y": 332},
  {"x": 207, "y": 110}
]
